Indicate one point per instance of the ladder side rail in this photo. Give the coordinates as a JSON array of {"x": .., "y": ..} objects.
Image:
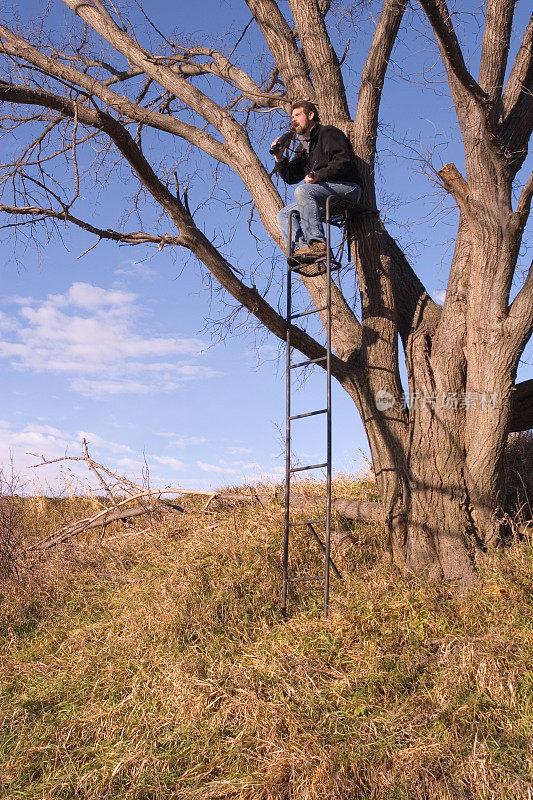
[
  {"x": 286, "y": 531},
  {"x": 329, "y": 200},
  {"x": 326, "y": 546}
]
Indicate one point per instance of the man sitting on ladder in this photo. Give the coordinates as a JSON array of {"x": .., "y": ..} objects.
[{"x": 325, "y": 161}]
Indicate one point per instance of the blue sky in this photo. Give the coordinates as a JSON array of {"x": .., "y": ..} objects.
[{"x": 120, "y": 346}]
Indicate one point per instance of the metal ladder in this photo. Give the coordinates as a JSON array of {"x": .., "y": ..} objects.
[{"x": 325, "y": 545}]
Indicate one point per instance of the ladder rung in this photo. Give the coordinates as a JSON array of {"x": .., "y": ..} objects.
[
  {"x": 310, "y": 466},
  {"x": 312, "y": 578},
  {"x": 306, "y": 313},
  {"x": 309, "y": 414},
  {"x": 309, "y": 361},
  {"x": 307, "y": 522}
]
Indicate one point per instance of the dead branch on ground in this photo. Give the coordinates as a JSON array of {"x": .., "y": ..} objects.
[{"x": 148, "y": 501}]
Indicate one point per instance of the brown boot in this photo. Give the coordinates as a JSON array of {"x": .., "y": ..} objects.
[{"x": 315, "y": 251}]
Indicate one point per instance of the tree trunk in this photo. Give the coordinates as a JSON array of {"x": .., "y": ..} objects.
[{"x": 426, "y": 505}]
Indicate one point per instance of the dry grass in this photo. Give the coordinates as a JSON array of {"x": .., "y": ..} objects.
[{"x": 153, "y": 665}]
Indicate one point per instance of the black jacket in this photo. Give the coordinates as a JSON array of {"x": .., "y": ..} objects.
[{"x": 330, "y": 156}]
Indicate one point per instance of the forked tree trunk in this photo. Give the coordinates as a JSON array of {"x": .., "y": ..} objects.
[
  {"x": 441, "y": 483},
  {"x": 435, "y": 521}
]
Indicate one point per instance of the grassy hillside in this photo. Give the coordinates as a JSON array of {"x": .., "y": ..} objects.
[{"x": 153, "y": 665}]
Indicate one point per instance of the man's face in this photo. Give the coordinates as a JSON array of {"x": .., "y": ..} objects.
[{"x": 302, "y": 122}]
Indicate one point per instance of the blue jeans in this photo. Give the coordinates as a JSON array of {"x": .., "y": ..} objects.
[{"x": 309, "y": 199}]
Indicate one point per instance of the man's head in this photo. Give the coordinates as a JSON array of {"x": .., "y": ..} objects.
[{"x": 304, "y": 115}]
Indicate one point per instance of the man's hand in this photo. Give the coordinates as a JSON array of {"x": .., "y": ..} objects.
[
  {"x": 279, "y": 156},
  {"x": 312, "y": 178}
]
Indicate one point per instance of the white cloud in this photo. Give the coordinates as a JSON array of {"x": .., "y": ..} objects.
[
  {"x": 46, "y": 429},
  {"x": 212, "y": 467},
  {"x": 189, "y": 372},
  {"x": 169, "y": 461},
  {"x": 238, "y": 451},
  {"x": 85, "y": 295},
  {"x": 6, "y": 324},
  {"x": 90, "y": 334},
  {"x": 136, "y": 465},
  {"x": 187, "y": 441},
  {"x": 181, "y": 441},
  {"x": 135, "y": 269},
  {"x": 28, "y": 444},
  {"x": 18, "y": 301},
  {"x": 94, "y": 440},
  {"x": 42, "y": 440},
  {"x": 98, "y": 389},
  {"x": 439, "y": 296}
]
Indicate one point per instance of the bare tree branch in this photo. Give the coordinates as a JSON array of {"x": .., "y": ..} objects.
[
  {"x": 228, "y": 72},
  {"x": 244, "y": 159},
  {"x": 92, "y": 467},
  {"x": 519, "y": 78},
  {"x": 517, "y": 104},
  {"x": 455, "y": 184},
  {"x": 190, "y": 236},
  {"x": 439, "y": 17},
  {"x": 94, "y": 14},
  {"x": 89, "y": 117},
  {"x": 523, "y": 206},
  {"x": 322, "y": 60},
  {"x": 118, "y": 75},
  {"x": 101, "y": 518},
  {"x": 495, "y": 49},
  {"x": 519, "y": 322},
  {"x": 372, "y": 79},
  {"x": 133, "y": 238},
  {"x": 282, "y": 45},
  {"x": 15, "y": 46}
]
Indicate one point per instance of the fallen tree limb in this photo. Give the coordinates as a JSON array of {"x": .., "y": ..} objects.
[
  {"x": 101, "y": 519},
  {"x": 118, "y": 516},
  {"x": 149, "y": 502},
  {"x": 92, "y": 467},
  {"x": 363, "y": 510}
]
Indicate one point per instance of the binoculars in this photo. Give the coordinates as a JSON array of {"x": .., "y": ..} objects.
[{"x": 282, "y": 142}]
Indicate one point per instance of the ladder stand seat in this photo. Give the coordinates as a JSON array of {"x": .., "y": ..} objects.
[{"x": 341, "y": 206}]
